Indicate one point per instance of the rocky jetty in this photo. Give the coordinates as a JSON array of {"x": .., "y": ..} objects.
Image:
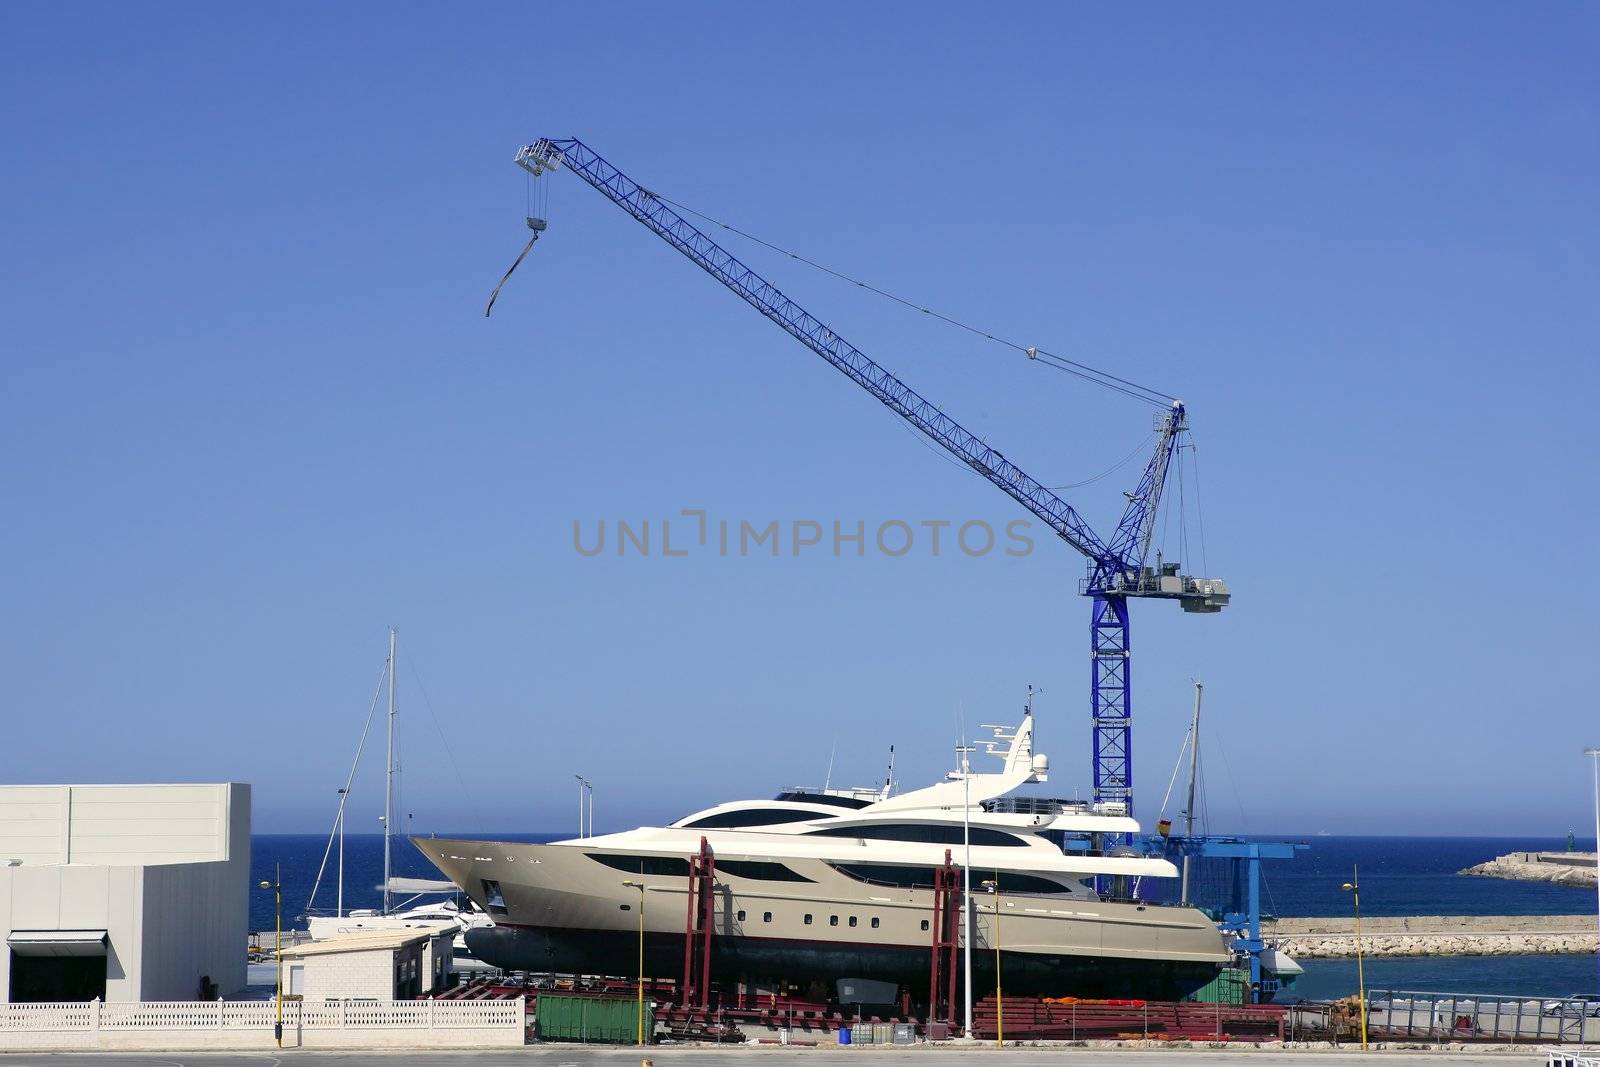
[
  {"x": 1562, "y": 868},
  {"x": 1435, "y": 935}
]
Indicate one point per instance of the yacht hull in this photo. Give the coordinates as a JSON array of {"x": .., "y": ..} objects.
[{"x": 549, "y": 949}]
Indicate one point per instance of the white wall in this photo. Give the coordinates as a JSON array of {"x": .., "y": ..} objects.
[
  {"x": 337, "y": 975},
  {"x": 122, "y": 824}
]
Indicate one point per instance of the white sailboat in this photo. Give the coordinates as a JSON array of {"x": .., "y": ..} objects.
[{"x": 409, "y": 912}]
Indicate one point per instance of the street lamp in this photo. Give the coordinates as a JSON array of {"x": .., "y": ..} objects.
[
  {"x": 585, "y": 786},
  {"x": 1594, "y": 756},
  {"x": 993, "y": 886},
  {"x": 640, "y": 886},
  {"x": 1354, "y": 887},
  {"x": 344, "y": 795},
  {"x": 276, "y": 885}
]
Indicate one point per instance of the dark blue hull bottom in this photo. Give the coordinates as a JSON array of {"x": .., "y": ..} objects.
[{"x": 611, "y": 952}]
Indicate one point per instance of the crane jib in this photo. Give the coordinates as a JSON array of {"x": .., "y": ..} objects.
[{"x": 766, "y": 298}]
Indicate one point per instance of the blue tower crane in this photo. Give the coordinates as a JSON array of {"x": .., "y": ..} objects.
[{"x": 1117, "y": 570}]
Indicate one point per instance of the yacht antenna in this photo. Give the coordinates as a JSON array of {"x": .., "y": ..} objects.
[
  {"x": 1194, "y": 769},
  {"x": 388, "y": 780},
  {"x": 827, "y": 779},
  {"x": 888, "y": 782}
]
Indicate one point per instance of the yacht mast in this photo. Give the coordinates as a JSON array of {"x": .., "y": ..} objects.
[
  {"x": 388, "y": 780},
  {"x": 1194, "y": 768}
]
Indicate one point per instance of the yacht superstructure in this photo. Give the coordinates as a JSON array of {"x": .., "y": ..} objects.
[{"x": 820, "y": 885}]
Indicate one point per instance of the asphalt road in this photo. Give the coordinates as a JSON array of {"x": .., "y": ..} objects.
[{"x": 577, "y": 1056}]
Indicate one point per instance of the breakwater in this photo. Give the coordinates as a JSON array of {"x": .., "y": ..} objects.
[
  {"x": 1561, "y": 868},
  {"x": 1434, "y": 935}
]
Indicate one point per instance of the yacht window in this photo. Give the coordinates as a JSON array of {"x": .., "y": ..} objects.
[
  {"x": 924, "y": 924},
  {"x": 625, "y": 907},
  {"x": 907, "y": 877},
  {"x": 874, "y": 922},
  {"x": 803, "y": 797},
  {"x": 766, "y": 916},
  {"x": 808, "y": 919},
  {"x": 930, "y": 833},
  {"x": 675, "y": 867},
  {"x": 741, "y": 915},
  {"x": 760, "y": 870},
  {"x": 655, "y": 866},
  {"x": 494, "y": 902},
  {"x": 852, "y": 920},
  {"x": 731, "y": 820},
  {"x": 833, "y": 920}
]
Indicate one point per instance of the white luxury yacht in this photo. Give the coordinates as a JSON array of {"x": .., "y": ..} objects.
[{"x": 822, "y": 885}]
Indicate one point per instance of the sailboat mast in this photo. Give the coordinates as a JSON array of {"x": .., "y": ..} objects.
[
  {"x": 1194, "y": 770},
  {"x": 388, "y": 780}
]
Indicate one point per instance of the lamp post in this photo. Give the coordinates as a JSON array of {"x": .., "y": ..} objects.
[
  {"x": 1594, "y": 757},
  {"x": 343, "y": 795},
  {"x": 640, "y": 886},
  {"x": 1354, "y": 887},
  {"x": 993, "y": 886},
  {"x": 963, "y": 751},
  {"x": 276, "y": 885},
  {"x": 585, "y": 787}
]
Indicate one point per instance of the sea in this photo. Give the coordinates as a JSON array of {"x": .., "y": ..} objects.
[{"x": 1398, "y": 876}]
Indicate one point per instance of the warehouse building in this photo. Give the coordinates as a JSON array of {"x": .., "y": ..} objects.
[{"x": 123, "y": 892}]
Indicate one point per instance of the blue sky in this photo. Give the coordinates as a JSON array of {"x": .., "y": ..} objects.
[{"x": 253, "y": 414}]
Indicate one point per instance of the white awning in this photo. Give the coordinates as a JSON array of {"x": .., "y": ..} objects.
[{"x": 57, "y": 942}]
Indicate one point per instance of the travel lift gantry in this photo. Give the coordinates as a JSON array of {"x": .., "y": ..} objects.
[{"x": 1117, "y": 569}]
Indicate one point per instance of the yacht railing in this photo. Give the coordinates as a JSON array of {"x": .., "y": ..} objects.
[{"x": 1037, "y": 806}]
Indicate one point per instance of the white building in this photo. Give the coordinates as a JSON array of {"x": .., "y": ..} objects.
[
  {"x": 123, "y": 892},
  {"x": 373, "y": 965}
]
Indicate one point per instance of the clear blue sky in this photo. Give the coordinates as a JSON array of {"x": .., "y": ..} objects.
[{"x": 252, "y": 413}]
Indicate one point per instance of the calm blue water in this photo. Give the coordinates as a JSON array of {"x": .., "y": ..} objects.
[{"x": 1399, "y": 876}]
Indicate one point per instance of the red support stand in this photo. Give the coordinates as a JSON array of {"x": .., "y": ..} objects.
[
  {"x": 698, "y": 927},
  {"x": 946, "y": 940}
]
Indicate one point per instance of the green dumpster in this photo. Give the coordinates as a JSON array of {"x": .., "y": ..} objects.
[{"x": 609, "y": 1020}]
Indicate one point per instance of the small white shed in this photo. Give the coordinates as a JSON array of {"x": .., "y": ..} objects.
[{"x": 375, "y": 965}]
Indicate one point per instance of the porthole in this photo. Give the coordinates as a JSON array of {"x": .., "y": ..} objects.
[
  {"x": 808, "y": 919},
  {"x": 741, "y": 915},
  {"x": 924, "y": 924},
  {"x": 874, "y": 922},
  {"x": 833, "y": 920},
  {"x": 852, "y": 920},
  {"x": 766, "y": 916}
]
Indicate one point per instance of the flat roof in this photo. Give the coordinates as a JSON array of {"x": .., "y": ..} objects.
[{"x": 369, "y": 941}]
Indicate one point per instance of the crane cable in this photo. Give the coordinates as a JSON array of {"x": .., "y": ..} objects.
[{"x": 1133, "y": 390}]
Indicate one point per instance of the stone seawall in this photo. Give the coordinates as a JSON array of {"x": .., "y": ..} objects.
[
  {"x": 1435, "y": 935},
  {"x": 1562, "y": 868}
]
